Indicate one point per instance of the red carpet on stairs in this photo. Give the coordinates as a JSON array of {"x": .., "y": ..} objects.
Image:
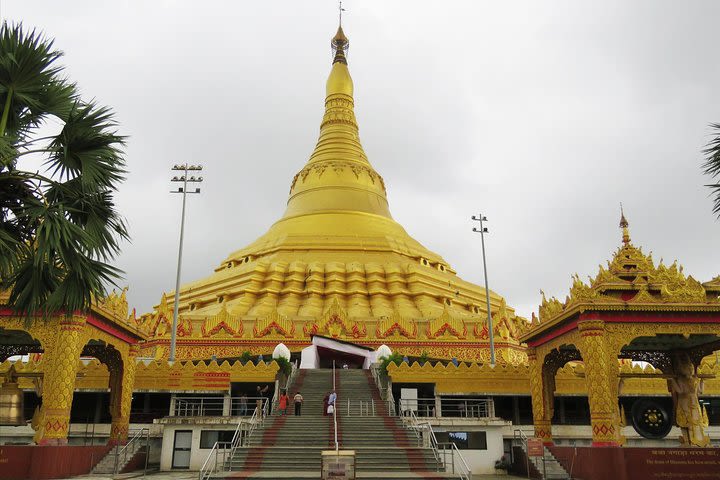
[
  {"x": 255, "y": 456},
  {"x": 416, "y": 458}
]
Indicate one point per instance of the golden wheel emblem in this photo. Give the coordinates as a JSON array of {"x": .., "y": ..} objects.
[{"x": 653, "y": 417}]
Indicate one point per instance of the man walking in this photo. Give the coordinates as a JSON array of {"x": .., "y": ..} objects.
[
  {"x": 331, "y": 401},
  {"x": 298, "y": 399}
]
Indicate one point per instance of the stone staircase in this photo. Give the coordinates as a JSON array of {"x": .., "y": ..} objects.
[
  {"x": 548, "y": 467},
  {"x": 107, "y": 464},
  {"x": 289, "y": 447}
]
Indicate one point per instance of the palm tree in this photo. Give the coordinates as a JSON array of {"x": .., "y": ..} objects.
[
  {"x": 58, "y": 224},
  {"x": 712, "y": 165}
]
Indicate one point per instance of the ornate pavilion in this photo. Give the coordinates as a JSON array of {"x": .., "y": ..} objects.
[{"x": 337, "y": 264}]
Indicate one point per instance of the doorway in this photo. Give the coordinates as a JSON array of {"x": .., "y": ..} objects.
[{"x": 181, "y": 449}]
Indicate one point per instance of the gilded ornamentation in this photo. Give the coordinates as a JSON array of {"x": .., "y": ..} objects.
[
  {"x": 335, "y": 323},
  {"x": 231, "y": 325},
  {"x": 675, "y": 287},
  {"x": 549, "y": 308},
  {"x": 396, "y": 323},
  {"x": 116, "y": 304},
  {"x": 541, "y": 391},
  {"x": 606, "y": 277},
  {"x": 280, "y": 324},
  {"x": 689, "y": 416},
  {"x": 122, "y": 383},
  {"x": 59, "y": 382},
  {"x": 643, "y": 296},
  {"x": 446, "y": 323},
  {"x": 601, "y": 374},
  {"x": 630, "y": 260}
]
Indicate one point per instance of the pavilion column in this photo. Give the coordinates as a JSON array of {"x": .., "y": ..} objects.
[
  {"x": 122, "y": 381},
  {"x": 601, "y": 378},
  {"x": 541, "y": 391},
  {"x": 60, "y": 368}
]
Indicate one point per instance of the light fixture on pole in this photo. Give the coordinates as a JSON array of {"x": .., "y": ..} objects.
[
  {"x": 482, "y": 231},
  {"x": 185, "y": 178}
]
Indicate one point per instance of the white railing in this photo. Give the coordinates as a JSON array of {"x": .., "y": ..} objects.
[
  {"x": 215, "y": 406},
  {"x": 447, "y": 454},
  {"x": 129, "y": 449},
  {"x": 360, "y": 408},
  {"x": 337, "y": 445},
  {"x": 449, "y": 407},
  {"x": 453, "y": 460}
]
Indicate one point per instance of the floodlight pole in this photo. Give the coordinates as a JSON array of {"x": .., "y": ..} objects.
[
  {"x": 482, "y": 231},
  {"x": 185, "y": 168}
]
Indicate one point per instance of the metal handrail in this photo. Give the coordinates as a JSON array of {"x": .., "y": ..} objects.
[
  {"x": 139, "y": 434},
  {"x": 213, "y": 406},
  {"x": 365, "y": 408},
  {"x": 337, "y": 445},
  {"x": 221, "y": 451},
  {"x": 417, "y": 425},
  {"x": 453, "y": 407},
  {"x": 466, "y": 473},
  {"x": 518, "y": 434},
  {"x": 206, "y": 470}
]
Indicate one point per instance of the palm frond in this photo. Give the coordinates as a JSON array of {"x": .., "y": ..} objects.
[
  {"x": 57, "y": 230},
  {"x": 711, "y": 166},
  {"x": 88, "y": 148}
]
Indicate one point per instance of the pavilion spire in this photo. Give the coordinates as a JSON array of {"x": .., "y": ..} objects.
[{"x": 624, "y": 225}]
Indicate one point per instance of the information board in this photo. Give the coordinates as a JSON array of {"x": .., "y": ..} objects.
[{"x": 535, "y": 447}]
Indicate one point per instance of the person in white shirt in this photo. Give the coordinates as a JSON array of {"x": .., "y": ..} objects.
[{"x": 298, "y": 399}]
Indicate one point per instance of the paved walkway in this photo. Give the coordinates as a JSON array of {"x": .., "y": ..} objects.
[{"x": 194, "y": 476}]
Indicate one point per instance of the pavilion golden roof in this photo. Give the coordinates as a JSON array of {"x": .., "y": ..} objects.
[{"x": 630, "y": 281}]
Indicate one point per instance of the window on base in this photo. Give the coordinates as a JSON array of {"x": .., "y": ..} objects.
[
  {"x": 464, "y": 440},
  {"x": 209, "y": 437}
]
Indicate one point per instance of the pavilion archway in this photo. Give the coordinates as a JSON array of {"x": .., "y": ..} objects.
[{"x": 62, "y": 340}]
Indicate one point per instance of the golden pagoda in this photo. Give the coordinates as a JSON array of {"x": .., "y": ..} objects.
[{"x": 336, "y": 264}]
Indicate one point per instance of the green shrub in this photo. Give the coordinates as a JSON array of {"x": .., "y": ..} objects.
[
  {"x": 285, "y": 365},
  {"x": 395, "y": 358},
  {"x": 246, "y": 357}
]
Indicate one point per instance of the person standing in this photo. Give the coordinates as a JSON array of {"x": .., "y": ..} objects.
[
  {"x": 325, "y": 403},
  {"x": 331, "y": 403},
  {"x": 243, "y": 404},
  {"x": 298, "y": 403},
  {"x": 283, "y": 403},
  {"x": 261, "y": 394}
]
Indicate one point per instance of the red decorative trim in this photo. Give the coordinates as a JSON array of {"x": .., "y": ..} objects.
[
  {"x": 634, "y": 318},
  {"x": 605, "y": 444},
  {"x": 110, "y": 330},
  {"x": 555, "y": 333},
  {"x": 92, "y": 320},
  {"x": 625, "y": 318}
]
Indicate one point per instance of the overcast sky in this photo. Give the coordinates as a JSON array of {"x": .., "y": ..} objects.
[{"x": 543, "y": 116}]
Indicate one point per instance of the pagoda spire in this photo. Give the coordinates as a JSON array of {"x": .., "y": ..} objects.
[
  {"x": 624, "y": 225},
  {"x": 353, "y": 184}
]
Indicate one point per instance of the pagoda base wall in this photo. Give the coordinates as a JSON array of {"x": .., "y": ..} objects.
[
  {"x": 32, "y": 462},
  {"x": 618, "y": 463}
]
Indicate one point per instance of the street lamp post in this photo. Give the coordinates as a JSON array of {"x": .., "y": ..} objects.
[
  {"x": 482, "y": 231},
  {"x": 185, "y": 178}
]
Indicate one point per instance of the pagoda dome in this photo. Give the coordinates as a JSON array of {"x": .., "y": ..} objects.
[{"x": 337, "y": 263}]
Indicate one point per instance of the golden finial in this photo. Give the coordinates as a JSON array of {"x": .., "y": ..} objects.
[
  {"x": 624, "y": 225},
  {"x": 340, "y": 42}
]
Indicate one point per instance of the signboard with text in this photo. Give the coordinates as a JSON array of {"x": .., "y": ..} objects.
[
  {"x": 535, "y": 447},
  {"x": 338, "y": 465}
]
